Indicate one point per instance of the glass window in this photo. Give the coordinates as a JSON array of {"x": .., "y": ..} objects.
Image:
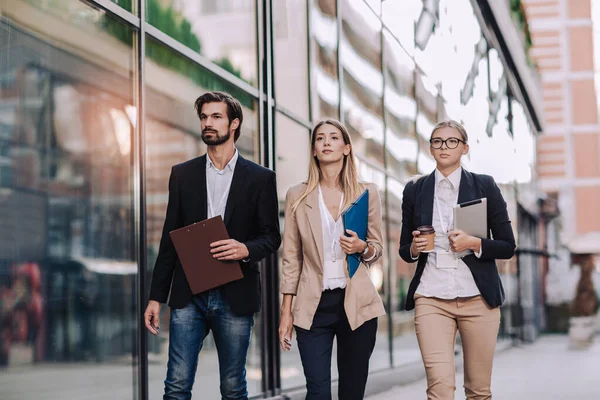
[
  {"x": 172, "y": 136},
  {"x": 291, "y": 55},
  {"x": 400, "y": 17},
  {"x": 126, "y": 4},
  {"x": 463, "y": 48},
  {"x": 375, "y": 6},
  {"x": 380, "y": 358},
  {"x": 325, "y": 97},
  {"x": 225, "y": 32},
  {"x": 292, "y": 144},
  {"x": 400, "y": 110},
  {"x": 404, "y": 340},
  {"x": 427, "y": 96},
  {"x": 525, "y": 145},
  {"x": 68, "y": 270},
  {"x": 362, "y": 80}
]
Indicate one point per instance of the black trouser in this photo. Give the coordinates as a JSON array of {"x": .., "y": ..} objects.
[{"x": 354, "y": 349}]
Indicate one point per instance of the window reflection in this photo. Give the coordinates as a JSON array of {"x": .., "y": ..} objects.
[
  {"x": 375, "y": 6},
  {"x": 292, "y": 143},
  {"x": 525, "y": 145},
  {"x": 67, "y": 260},
  {"x": 362, "y": 80},
  {"x": 291, "y": 67},
  {"x": 400, "y": 109},
  {"x": 403, "y": 335},
  {"x": 378, "y": 271},
  {"x": 173, "y": 136},
  {"x": 126, "y": 4},
  {"x": 324, "y": 65},
  {"x": 400, "y": 18},
  {"x": 224, "y": 31},
  {"x": 427, "y": 117}
]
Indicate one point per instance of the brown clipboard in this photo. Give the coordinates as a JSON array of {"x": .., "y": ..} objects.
[{"x": 202, "y": 270}]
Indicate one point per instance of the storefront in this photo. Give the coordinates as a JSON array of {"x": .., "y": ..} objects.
[{"x": 96, "y": 105}]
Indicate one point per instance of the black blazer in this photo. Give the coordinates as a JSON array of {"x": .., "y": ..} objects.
[
  {"x": 251, "y": 217},
  {"x": 417, "y": 209}
]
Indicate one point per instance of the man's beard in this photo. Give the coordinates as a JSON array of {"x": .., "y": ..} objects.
[{"x": 217, "y": 139}]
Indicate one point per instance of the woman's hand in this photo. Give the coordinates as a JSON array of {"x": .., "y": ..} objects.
[
  {"x": 418, "y": 244},
  {"x": 286, "y": 325},
  {"x": 352, "y": 244},
  {"x": 460, "y": 241}
]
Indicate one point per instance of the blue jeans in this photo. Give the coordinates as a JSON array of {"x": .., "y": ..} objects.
[{"x": 188, "y": 328}]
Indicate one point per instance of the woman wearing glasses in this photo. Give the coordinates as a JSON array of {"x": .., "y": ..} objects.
[
  {"x": 327, "y": 304},
  {"x": 456, "y": 286}
]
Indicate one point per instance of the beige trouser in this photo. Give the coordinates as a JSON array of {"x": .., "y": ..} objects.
[{"x": 436, "y": 321}]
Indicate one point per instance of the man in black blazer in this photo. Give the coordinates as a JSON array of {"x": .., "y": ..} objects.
[{"x": 220, "y": 182}]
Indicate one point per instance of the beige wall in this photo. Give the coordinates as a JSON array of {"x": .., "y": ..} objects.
[{"x": 588, "y": 198}]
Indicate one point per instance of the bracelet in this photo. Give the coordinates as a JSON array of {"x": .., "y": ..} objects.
[
  {"x": 366, "y": 250},
  {"x": 372, "y": 257}
]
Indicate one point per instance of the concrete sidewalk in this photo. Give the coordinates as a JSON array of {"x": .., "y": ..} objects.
[{"x": 546, "y": 369}]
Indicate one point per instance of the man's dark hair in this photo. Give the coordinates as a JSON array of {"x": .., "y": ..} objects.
[{"x": 234, "y": 108}]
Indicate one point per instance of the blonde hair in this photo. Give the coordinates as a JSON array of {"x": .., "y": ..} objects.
[
  {"x": 348, "y": 177},
  {"x": 454, "y": 125}
]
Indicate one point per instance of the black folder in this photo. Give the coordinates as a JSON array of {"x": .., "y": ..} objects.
[{"x": 202, "y": 270}]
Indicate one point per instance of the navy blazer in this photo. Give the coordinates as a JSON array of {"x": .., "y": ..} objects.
[
  {"x": 417, "y": 210},
  {"x": 251, "y": 217}
]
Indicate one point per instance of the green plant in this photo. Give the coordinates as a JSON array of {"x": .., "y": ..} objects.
[
  {"x": 517, "y": 11},
  {"x": 179, "y": 28}
]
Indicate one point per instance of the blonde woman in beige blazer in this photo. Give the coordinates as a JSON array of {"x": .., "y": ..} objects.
[{"x": 319, "y": 298}]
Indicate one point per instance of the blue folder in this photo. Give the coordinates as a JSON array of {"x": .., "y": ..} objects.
[{"x": 356, "y": 218}]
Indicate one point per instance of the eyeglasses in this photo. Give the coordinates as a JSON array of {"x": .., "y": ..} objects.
[{"x": 451, "y": 143}]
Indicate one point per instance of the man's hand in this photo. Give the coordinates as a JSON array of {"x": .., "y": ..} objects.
[
  {"x": 151, "y": 317},
  {"x": 229, "y": 250},
  {"x": 352, "y": 244},
  {"x": 460, "y": 241}
]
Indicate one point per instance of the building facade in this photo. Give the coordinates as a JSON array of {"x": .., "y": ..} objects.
[
  {"x": 96, "y": 105},
  {"x": 562, "y": 33}
]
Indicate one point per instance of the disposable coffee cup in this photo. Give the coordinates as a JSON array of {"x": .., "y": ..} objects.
[{"x": 427, "y": 232}]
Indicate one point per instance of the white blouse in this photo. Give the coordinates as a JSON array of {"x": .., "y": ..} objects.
[
  {"x": 334, "y": 276},
  {"x": 446, "y": 283}
]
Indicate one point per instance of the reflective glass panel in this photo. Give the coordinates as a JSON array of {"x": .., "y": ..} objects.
[
  {"x": 173, "y": 136},
  {"x": 291, "y": 55},
  {"x": 378, "y": 271},
  {"x": 224, "y": 31},
  {"x": 400, "y": 18},
  {"x": 128, "y": 5},
  {"x": 362, "y": 80},
  {"x": 375, "y": 6},
  {"x": 405, "y": 346},
  {"x": 68, "y": 269},
  {"x": 400, "y": 110},
  {"x": 323, "y": 55},
  {"x": 292, "y": 143},
  {"x": 427, "y": 96},
  {"x": 463, "y": 47}
]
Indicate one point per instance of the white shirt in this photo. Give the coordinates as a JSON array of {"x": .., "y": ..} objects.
[
  {"x": 333, "y": 271},
  {"x": 218, "y": 183},
  {"x": 446, "y": 283}
]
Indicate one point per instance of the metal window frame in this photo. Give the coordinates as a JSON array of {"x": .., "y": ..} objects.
[
  {"x": 142, "y": 29},
  {"x": 140, "y": 211},
  {"x": 199, "y": 59},
  {"x": 114, "y": 9}
]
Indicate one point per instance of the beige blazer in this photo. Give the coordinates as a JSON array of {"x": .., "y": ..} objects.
[{"x": 302, "y": 267}]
